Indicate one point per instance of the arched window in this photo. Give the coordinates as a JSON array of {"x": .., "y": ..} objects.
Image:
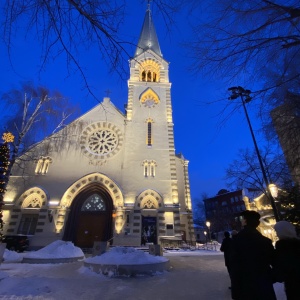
[
  {"x": 42, "y": 166},
  {"x": 152, "y": 170},
  {"x": 34, "y": 200},
  {"x": 94, "y": 203},
  {"x": 149, "y": 98},
  {"x": 39, "y": 166}
]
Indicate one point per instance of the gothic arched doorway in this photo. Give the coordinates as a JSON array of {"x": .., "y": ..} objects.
[{"x": 90, "y": 217}]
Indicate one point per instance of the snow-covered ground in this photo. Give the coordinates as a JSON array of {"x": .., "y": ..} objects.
[{"x": 197, "y": 274}]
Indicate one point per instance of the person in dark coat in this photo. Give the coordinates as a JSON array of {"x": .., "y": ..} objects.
[
  {"x": 253, "y": 258},
  {"x": 287, "y": 259},
  {"x": 226, "y": 247}
]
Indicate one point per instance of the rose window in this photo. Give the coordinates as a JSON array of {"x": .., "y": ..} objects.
[{"x": 102, "y": 142}]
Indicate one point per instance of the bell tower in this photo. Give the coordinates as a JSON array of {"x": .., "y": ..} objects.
[{"x": 149, "y": 154}]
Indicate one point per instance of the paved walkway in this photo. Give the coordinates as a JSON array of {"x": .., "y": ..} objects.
[{"x": 190, "y": 277}]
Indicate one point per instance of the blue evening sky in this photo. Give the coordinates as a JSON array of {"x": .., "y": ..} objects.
[{"x": 199, "y": 135}]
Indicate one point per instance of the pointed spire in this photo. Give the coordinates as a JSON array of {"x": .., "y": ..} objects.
[{"x": 148, "y": 38}]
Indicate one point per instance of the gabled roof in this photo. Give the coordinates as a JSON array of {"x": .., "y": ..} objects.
[{"x": 148, "y": 38}]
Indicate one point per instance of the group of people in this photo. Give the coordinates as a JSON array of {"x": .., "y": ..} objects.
[{"x": 254, "y": 265}]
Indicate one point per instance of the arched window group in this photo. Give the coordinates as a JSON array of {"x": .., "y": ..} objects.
[
  {"x": 149, "y": 71},
  {"x": 42, "y": 165},
  {"x": 149, "y": 76},
  {"x": 149, "y": 168}
]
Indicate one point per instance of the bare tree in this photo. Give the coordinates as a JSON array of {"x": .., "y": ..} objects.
[
  {"x": 255, "y": 43},
  {"x": 259, "y": 39},
  {"x": 69, "y": 26},
  {"x": 199, "y": 211},
  {"x": 30, "y": 113},
  {"x": 245, "y": 171}
]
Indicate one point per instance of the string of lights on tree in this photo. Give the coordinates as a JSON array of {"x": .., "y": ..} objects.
[{"x": 4, "y": 163}]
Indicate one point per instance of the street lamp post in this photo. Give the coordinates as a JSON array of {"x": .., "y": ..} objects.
[
  {"x": 208, "y": 230},
  {"x": 205, "y": 233},
  {"x": 245, "y": 97}
]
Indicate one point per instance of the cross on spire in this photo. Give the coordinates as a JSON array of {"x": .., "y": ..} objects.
[
  {"x": 148, "y": 5},
  {"x": 108, "y": 92}
]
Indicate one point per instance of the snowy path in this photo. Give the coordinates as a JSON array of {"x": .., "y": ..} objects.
[{"x": 191, "y": 277}]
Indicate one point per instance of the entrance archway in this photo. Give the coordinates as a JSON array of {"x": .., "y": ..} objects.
[{"x": 90, "y": 217}]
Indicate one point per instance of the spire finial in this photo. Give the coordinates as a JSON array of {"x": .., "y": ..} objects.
[{"x": 148, "y": 5}]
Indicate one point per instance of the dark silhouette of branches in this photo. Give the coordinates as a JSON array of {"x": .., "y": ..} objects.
[
  {"x": 257, "y": 42},
  {"x": 30, "y": 113},
  {"x": 71, "y": 27},
  {"x": 245, "y": 171}
]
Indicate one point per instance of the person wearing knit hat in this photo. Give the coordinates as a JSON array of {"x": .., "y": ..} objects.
[
  {"x": 252, "y": 261},
  {"x": 287, "y": 259}
]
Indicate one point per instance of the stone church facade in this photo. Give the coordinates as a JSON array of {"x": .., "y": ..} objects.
[{"x": 108, "y": 176}]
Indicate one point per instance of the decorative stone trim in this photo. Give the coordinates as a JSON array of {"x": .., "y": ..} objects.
[
  {"x": 33, "y": 198},
  {"x": 77, "y": 186},
  {"x": 149, "y": 199}
]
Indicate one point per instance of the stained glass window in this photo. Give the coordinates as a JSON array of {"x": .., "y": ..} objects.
[{"x": 93, "y": 203}]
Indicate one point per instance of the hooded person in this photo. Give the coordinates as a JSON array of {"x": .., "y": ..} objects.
[
  {"x": 287, "y": 258},
  {"x": 253, "y": 257}
]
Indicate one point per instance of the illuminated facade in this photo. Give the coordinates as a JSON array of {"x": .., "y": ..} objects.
[
  {"x": 108, "y": 176},
  {"x": 223, "y": 210},
  {"x": 286, "y": 120}
]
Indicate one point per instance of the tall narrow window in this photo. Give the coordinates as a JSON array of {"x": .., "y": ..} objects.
[
  {"x": 39, "y": 166},
  {"x": 42, "y": 166},
  {"x": 154, "y": 77},
  {"x": 149, "y": 138},
  {"x": 152, "y": 170}
]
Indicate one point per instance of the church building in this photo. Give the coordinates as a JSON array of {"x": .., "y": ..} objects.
[{"x": 109, "y": 175}]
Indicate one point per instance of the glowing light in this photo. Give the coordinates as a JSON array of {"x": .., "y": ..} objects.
[
  {"x": 8, "y": 137},
  {"x": 53, "y": 202}
]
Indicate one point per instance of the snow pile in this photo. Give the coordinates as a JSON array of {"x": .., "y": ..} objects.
[
  {"x": 125, "y": 256},
  {"x": 57, "y": 249},
  {"x": 12, "y": 256}
]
